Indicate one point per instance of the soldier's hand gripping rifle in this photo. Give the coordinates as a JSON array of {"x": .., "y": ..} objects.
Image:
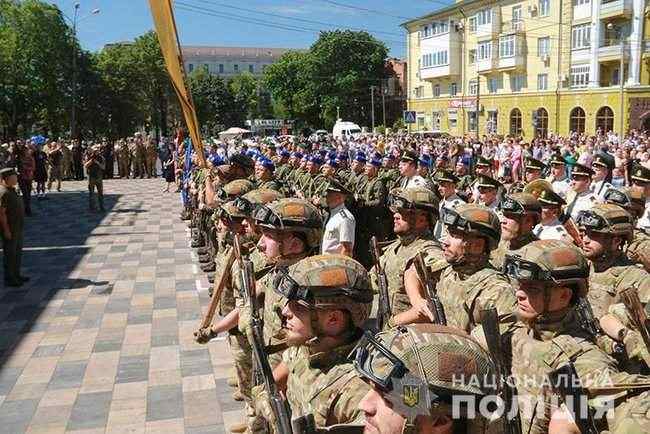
[
  {"x": 490, "y": 324},
  {"x": 383, "y": 312},
  {"x": 433, "y": 302},
  {"x": 589, "y": 322},
  {"x": 630, "y": 297},
  {"x": 566, "y": 382},
  {"x": 278, "y": 402}
]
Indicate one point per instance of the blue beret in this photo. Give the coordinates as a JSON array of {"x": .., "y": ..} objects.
[
  {"x": 316, "y": 159},
  {"x": 331, "y": 155},
  {"x": 425, "y": 160},
  {"x": 375, "y": 162},
  {"x": 360, "y": 157},
  {"x": 297, "y": 154},
  {"x": 267, "y": 163},
  {"x": 342, "y": 156},
  {"x": 332, "y": 162},
  {"x": 284, "y": 153},
  {"x": 216, "y": 160}
]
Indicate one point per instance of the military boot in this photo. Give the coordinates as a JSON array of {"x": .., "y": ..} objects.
[
  {"x": 204, "y": 258},
  {"x": 237, "y": 396},
  {"x": 208, "y": 267},
  {"x": 211, "y": 280},
  {"x": 238, "y": 427},
  {"x": 203, "y": 250}
]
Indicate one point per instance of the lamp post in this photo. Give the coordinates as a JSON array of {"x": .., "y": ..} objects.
[{"x": 73, "y": 114}]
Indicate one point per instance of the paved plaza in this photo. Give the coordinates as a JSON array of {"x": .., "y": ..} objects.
[{"x": 100, "y": 340}]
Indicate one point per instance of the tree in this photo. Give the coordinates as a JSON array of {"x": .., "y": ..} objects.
[
  {"x": 213, "y": 101},
  {"x": 286, "y": 78}
]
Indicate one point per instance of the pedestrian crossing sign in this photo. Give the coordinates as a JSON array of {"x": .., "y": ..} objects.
[{"x": 409, "y": 116}]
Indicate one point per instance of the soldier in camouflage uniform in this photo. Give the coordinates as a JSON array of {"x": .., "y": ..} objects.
[
  {"x": 264, "y": 177},
  {"x": 520, "y": 213},
  {"x": 357, "y": 179},
  {"x": 327, "y": 299},
  {"x": 389, "y": 173},
  {"x": 123, "y": 159},
  {"x": 550, "y": 277},
  {"x": 415, "y": 211},
  {"x": 291, "y": 230},
  {"x": 282, "y": 166},
  {"x": 150, "y": 157},
  {"x": 438, "y": 365},
  {"x": 138, "y": 159},
  {"x": 371, "y": 213},
  {"x": 466, "y": 282},
  {"x": 632, "y": 199}
]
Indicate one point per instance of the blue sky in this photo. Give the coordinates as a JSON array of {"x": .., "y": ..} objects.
[{"x": 266, "y": 23}]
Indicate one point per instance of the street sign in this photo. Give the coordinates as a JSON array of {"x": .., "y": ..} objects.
[{"x": 409, "y": 116}]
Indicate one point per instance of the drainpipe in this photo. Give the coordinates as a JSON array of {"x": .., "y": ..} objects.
[{"x": 558, "y": 82}]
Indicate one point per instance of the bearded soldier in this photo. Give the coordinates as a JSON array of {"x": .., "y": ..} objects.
[{"x": 520, "y": 213}]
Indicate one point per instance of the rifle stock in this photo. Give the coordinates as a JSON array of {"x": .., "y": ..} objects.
[
  {"x": 435, "y": 306},
  {"x": 566, "y": 382},
  {"x": 383, "y": 311},
  {"x": 630, "y": 297},
  {"x": 490, "y": 325}
]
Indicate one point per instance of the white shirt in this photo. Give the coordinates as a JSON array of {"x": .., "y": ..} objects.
[
  {"x": 339, "y": 229},
  {"x": 584, "y": 201},
  {"x": 440, "y": 230},
  {"x": 599, "y": 188},
  {"x": 414, "y": 181},
  {"x": 552, "y": 231},
  {"x": 644, "y": 221},
  {"x": 561, "y": 187}
]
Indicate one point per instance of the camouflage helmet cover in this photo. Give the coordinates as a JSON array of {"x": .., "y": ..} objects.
[
  {"x": 520, "y": 203},
  {"x": 632, "y": 199},
  {"x": 247, "y": 203},
  {"x": 235, "y": 188},
  {"x": 414, "y": 197},
  {"x": 606, "y": 218},
  {"x": 475, "y": 220},
  {"x": 326, "y": 273},
  {"x": 292, "y": 215},
  {"x": 549, "y": 260},
  {"x": 445, "y": 360}
]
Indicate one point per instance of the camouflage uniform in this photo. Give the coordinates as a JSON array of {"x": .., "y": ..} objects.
[
  {"x": 553, "y": 338},
  {"x": 516, "y": 205},
  {"x": 372, "y": 218},
  {"x": 467, "y": 287},
  {"x": 397, "y": 256}
]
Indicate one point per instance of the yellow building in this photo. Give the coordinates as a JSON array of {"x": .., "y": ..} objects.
[{"x": 530, "y": 67}]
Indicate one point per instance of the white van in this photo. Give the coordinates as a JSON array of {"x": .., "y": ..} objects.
[{"x": 347, "y": 130}]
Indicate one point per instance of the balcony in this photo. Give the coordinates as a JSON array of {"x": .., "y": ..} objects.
[
  {"x": 512, "y": 27},
  {"x": 611, "y": 52},
  {"x": 616, "y": 8},
  {"x": 582, "y": 55},
  {"x": 512, "y": 62},
  {"x": 434, "y": 72},
  {"x": 488, "y": 30},
  {"x": 486, "y": 65}
]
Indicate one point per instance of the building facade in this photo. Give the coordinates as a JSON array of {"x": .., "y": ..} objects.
[
  {"x": 230, "y": 61},
  {"x": 530, "y": 68}
]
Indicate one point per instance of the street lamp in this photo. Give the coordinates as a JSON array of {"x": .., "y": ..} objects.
[
  {"x": 73, "y": 115},
  {"x": 621, "y": 72}
]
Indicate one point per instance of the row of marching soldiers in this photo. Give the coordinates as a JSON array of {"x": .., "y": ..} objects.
[{"x": 488, "y": 330}]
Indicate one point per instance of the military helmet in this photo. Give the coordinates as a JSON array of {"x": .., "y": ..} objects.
[
  {"x": 549, "y": 260},
  {"x": 420, "y": 367},
  {"x": 607, "y": 219},
  {"x": 248, "y": 202},
  {"x": 520, "y": 204},
  {"x": 230, "y": 210},
  {"x": 233, "y": 189},
  {"x": 474, "y": 219},
  {"x": 328, "y": 281},
  {"x": 631, "y": 199},
  {"x": 292, "y": 215},
  {"x": 413, "y": 198}
]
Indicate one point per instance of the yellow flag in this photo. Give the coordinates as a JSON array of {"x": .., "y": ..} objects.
[{"x": 163, "y": 18}]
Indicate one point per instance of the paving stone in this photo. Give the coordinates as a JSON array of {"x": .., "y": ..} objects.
[
  {"x": 90, "y": 410},
  {"x": 68, "y": 375},
  {"x": 195, "y": 362},
  {"x": 133, "y": 368},
  {"x": 15, "y": 416},
  {"x": 164, "y": 402}
]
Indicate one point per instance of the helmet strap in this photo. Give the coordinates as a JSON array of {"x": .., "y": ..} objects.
[{"x": 409, "y": 428}]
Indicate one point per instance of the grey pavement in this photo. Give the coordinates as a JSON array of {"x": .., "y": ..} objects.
[{"x": 100, "y": 339}]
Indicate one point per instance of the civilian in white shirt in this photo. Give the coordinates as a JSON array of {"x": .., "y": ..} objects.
[
  {"x": 408, "y": 169},
  {"x": 447, "y": 181},
  {"x": 338, "y": 237}
]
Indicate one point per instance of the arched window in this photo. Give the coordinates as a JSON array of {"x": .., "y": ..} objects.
[
  {"x": 605, "y": 119},
  {"x": 515, "y": 122},
  {"x": 577, "y": 120},
  {"x": 541, "y": 126}
]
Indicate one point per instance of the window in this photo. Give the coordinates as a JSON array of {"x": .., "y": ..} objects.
[
  {"x": 484, "y": 50},
  {"x": 426, "y": 31},
  {"x": 251, "y": 68},
  {"x": 494, "y": 84},
  {"x": 507, "y": 46},
  {"x": 452, "y": 118},
  {"x": 473, "y": 87},
  {"x": 439, "y": 27},
  {"x": 577, "y": 120},
  {"x": 581, "y": 36},
  {"x": 436, "y": 90},
  {"x": 472, "y": 56},
  {"x": 453, "y": 89},
  {"x": 484, "y": 17},
  {"x": 544, "y": 8},
  {"x": 190, "y": 67},
  {"x": 472, "y": 24},
  {"x": 206, "y": 68},
  {"x": 491, "y": 124},
  {"x": 540, "y": 122},
  {"x": 419, "y": 92},
  {"x": 515, "y": 122},
  {"x": 543, "y": 46},
  {"x": 615, "y": 77},
  {"x": 542, "y": 81},
  {"x": 221, "y": 68},
  {"x": 580, "y": 76},
  {"x": 517, "y": 82},
  {"x": 581, "y": 2},
  {"x": 516, "y": 13},
  {"x": 435, "y": 59},
  {"x": 472, "y": 120},
  {"x": 605, "y": 119},
  {"x": 236, "y": 67}
]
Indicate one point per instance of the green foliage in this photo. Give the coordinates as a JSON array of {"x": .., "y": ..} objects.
[{"x": 337, "y": 71}]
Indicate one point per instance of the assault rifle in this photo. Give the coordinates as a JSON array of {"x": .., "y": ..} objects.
[
  {"x": 433, "y": 301},
  {"x": 566, "y": 382},
  {"x": 630, "y": 297},
  {"x": 589, "y": 322},
  {"x": 383, "y": 312},
  {"x": 490, "y": 324},
  {"x": 278, "y": 402}
]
